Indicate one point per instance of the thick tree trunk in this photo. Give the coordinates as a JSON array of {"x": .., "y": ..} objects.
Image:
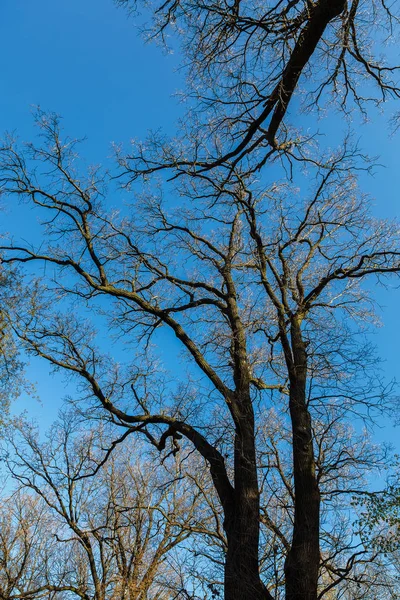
[
  {"x": 302, "y": 563},
  {"x": 242, "y": 579},
  {"x": 242, "y": 525}
]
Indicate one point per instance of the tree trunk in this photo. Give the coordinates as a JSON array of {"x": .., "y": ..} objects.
[
  {"x": 242, "y": 579},
  {"x": 242, "y": 524},
  {"x": 302, "y": 562}
]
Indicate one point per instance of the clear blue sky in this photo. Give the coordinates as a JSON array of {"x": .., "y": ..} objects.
[{"x": 84, "y": 60}]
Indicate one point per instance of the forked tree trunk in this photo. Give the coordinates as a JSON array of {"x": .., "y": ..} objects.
[{"x": 302, "y": 562}]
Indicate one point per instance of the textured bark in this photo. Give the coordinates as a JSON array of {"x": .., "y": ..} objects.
[
  {"x": 302, "y": 563},
  {"x": 321, "y": 14},
  {"x": 242, "y": 523}
]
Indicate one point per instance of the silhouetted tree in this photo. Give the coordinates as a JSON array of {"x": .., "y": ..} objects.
[
  {"x": 260, "y": 287},
  {"x": 247, "y": 61}
]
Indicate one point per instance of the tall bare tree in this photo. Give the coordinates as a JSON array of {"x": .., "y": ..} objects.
[
  {"x": 259, "y": 286},
  {"x": 247, "y": 61},
  {"x": 345, "y": 461}
]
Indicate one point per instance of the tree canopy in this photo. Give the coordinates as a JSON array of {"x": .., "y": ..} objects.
[{"x": 252, "y": 279}]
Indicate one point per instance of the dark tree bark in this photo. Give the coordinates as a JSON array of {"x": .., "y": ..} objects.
[
  {"x": 242, "y": 524},
  {"x": 302, "y": 562}
]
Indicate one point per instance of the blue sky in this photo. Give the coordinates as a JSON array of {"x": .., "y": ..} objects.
[{"x": 85, "y": 60}]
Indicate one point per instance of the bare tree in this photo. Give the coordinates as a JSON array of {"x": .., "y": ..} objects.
[
  {"x": 114, "y": 522},
  {"x": 246, "y": 61},
  {"x": 26, "y": 546},
  {"x": 259, "y": 286},
  {"x": 345, "y": 462}
]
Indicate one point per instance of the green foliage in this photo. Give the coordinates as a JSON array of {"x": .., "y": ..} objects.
[
  {"x": 380, "y": 518},
  {"x": 10, "y": 364}
]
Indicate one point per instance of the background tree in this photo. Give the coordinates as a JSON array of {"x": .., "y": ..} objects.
[
  {"x": 380, "y": 515},
  {"x": 27, "y": 548},
  {"x": 10, "y": 363},
  {"x": 114, "y": 524}
]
